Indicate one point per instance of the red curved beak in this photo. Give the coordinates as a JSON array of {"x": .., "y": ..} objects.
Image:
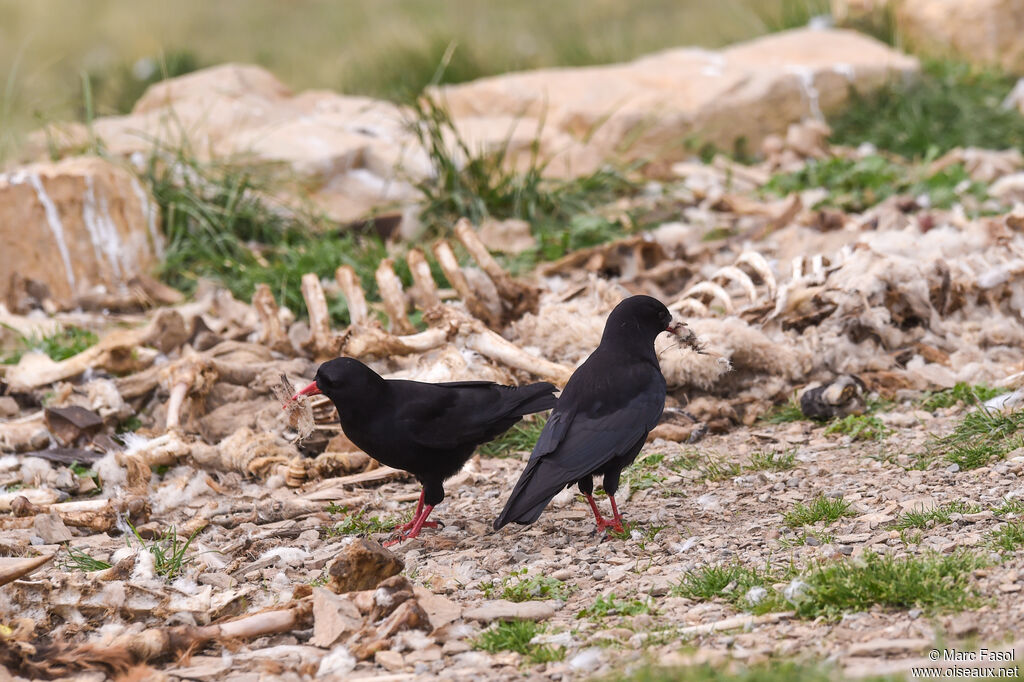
[{"x": 308, "y": 390}]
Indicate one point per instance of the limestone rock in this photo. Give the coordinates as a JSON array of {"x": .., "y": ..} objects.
[
  {"x": 50, "y": 528},
  {"x": 362, "y": 565},
  {"x": 73, "y": 225},
  {"x": 501, "y": 609},
  {"x": 651, "y": 107}
]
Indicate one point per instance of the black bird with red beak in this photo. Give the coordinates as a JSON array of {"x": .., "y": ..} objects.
[
  {"x": 603, "y": 416},
  {"x": 429, "y": 430}
]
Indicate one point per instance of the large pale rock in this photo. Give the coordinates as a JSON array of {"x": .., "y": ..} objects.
[
  {"x": 73, "y": 225},
  {"x": 988, "y": 32},
  {"x": 362, "y": 565},
  {"x": 351, "y": 153},
  {"x": 657, "y": 106}
]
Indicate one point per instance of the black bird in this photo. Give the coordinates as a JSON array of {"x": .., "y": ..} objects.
[
  {"x": 603, "y": 416},
  {"x": 429, "y": 430}
]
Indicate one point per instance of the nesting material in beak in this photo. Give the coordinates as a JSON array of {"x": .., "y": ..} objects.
[
  {"x": 685, "y": 336},
  {"x": 308, "y": 390}
]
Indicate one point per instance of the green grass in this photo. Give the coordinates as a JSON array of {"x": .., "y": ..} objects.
[
  {"x": 961, "y": 393},
  {"x": 79, "y": 560},
  {"x": 1013, "y": 506},
  {"x": 520, "y": 438},
  {"x": 515, "y": 636},
  {"x": 644, "y": 472},
  {"x": 980, "y": 438},
  {"x": 772, "y": 671},
  {"x": 784, "y": 414},
  {"x": 719, "y": 469},
  {"x": 855, "y": 185},
  {"x": 564, "y": 215},
  {"x": 800, "y": 540},
  {"x": 1008, "y": 537},
  {"x": 60, "y": 345},
  {"x": 822, "y": 508},
  {"x": 519, "y": 587},
  {"x": 221, "y": 224},
  {"x": 859, "y": 427},
  {"x": 920, "y": 518},
  {"x": 356, "y": 523},
  {"x": 603, "y": 607},
  {"x": 951, "y": 105},
  {"x": 931, "y": 581},
  {"x": 730, "y": 582},
  {"x": 771, "y": 461},
  {"x": 168, "y": 550}
]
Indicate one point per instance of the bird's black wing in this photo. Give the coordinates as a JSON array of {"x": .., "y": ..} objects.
[
  {"x": 459, "y": 414},
  {"x": 623, "y": 406}
]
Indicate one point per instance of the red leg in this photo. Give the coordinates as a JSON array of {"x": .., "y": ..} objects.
[
  {"x": 419, "y": 510},
  {"x": 418, "y": 524},
  {"x": 616, "y": 521},
  {"x": 602, "y": 524}
]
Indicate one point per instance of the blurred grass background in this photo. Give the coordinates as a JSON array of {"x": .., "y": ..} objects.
[{"x": 383, "y": 48}]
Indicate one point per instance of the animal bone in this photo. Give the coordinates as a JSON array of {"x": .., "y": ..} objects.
[
  {"x": 759, "y": 265},
  {"x": 446, "y": 258},
  {"x": 272, "y": 332},
  {"x": 34, "y": 495},
  {"x": 709, "y": 288},
  {"x": 517, "y": 297},
  {"x": 322, "y": 343},
  {"x": 476, "y": 336},
  {"x": 12, "y": 569},
  {"x": 733, "y": 273},
  {"x": 424, "y": 289},
  {"x": 192, "y": 375},
  {"x": 391, "y": 294},
  {"x": 352, "y": 290}
]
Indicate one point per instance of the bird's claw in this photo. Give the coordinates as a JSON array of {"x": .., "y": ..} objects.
[{"x": 426, "y": 524}]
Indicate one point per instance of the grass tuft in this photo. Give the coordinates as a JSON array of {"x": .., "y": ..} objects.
[
  {"x": 933, "y": 582},
  {"x": 855, "y": 185},
  {"x": 79, "y": 560},
  {"x": 952, "y": 105},
  {"x": 961, "y": 393},
  {"x": 983, "y": 436},
  {"x": 356, "y": 523},
  {"x": 772, "y": 461},
  {"x": 518, "y": 587},
  {"x": 783, "y": 414},
  {"x": 516, "y": 635},
  {"x": 58, "y": 346},
  {"x": 520, "y": 438},
  {"x": 920, "y": 518},
  {"x": 859, "y": 427},
  {"x": 611, "y": 605},
  {"x": 823, "y": 508},
  {"x": 168, "y": 551},
  {"x": 1009, "y": 537}
]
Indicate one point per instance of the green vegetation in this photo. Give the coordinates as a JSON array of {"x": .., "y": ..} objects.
[
  {"x": 643, "y": 473},
  {"x": 951, "y": 105},
  {"x": 773, "y": 671},
  {"x": 719, "y": 469},
  {"x": 783, "y": 414},
  {"x": 920, "y": 518},
  {"x": 1013, "y": 506},
  {"x": 733, "y": 582},
  {"x": 221, "y": 223},
  {"x": 80, "y": 560},
  {"x": 515, "y": 636},
  {"x": 1008, "y": 537},
  {"x": 59, "y": 345},
  {"x": 827, "y": 509},
  {"x": 857, "y": 184},
  {"x": 611, "y": 605},
  {"x": 564, "y": 214},
  {"x": 961, "y": 393},
  {"x": 933, "y": 582},
  {"x": 800, "y": 540},
  {"x": 772, "y": 461},
  {"x": 518, "y": 587},
  {"x": 168, "y": 551},
  {"x": 980, "y": 438},
  {"x": 859, "y": 427},
  {"x": 520, "y": 438},
  {"x": 356, "y": 523}
]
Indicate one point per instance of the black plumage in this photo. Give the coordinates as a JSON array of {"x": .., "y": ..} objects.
[
  {"x": 429, "y": 430},
  {"x": 603, "y": 416}
]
